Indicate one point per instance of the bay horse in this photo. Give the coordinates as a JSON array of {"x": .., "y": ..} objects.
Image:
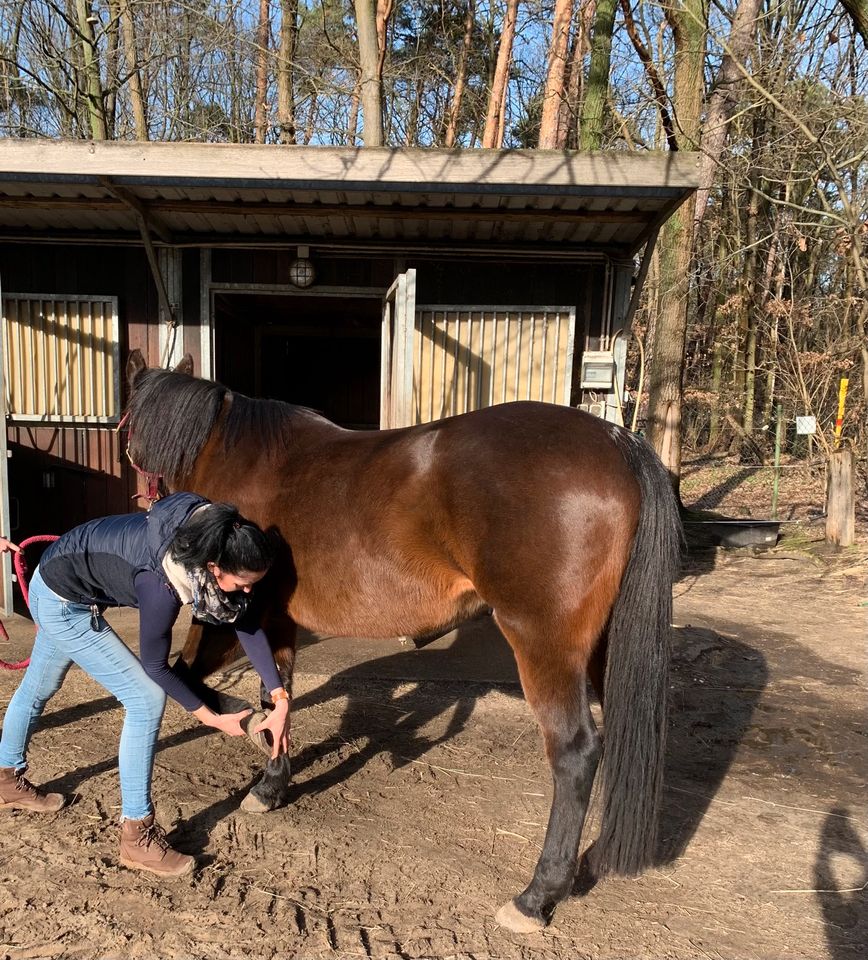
[{"x": 563, "y": 525}]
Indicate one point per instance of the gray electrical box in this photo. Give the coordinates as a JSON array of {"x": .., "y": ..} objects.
[{"x": 598, "y": 370}]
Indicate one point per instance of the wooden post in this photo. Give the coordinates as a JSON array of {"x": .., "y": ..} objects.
[{"x": 841, "y": 500}]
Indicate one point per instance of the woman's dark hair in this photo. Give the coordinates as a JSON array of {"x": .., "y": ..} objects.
[{"x": 219, "y": 534}]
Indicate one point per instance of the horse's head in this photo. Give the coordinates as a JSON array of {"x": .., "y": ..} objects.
[
  {"x": 137, "y": 365},
  {"x": 169, "y": 417}
]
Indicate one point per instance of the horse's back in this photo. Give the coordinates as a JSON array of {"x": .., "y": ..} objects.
[{"x": 512, "y": 499}]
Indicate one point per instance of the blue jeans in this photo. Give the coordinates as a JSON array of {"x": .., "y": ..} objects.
[{"x": 66, "y": 635}]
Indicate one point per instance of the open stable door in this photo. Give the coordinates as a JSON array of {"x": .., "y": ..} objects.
[
  {"x": 6, "y": 599},
  {"x": 396, "y": 371},
  {"x": 444, "y": 359}
]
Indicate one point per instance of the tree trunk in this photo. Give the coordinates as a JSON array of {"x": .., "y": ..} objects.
[
  {"x": 670, "y": 330},
  {"x": 665, "y": 390},
  {"x": 494, "y": 121},
  {"x": 771, "y": 347},
  {"x": 660, "y": 96},
  {"x": 722, "y": 102},
  {"x": 858, "y": 10},
  {"x": 597, "y": 89},
  {"x": 235, "y": 81},
  {"x": 568, "y": 133},
  {"x": 260, "y": 123},
  {"x": 771, "y": 353},
  {"x": 716, "y": 405},
  {"x": 460, "y": 76},
  {"x": 555, "y": 93},
  {"x": 369, "y": 59},
  {"x": 384, "y": 12},
  {"x": 353, "y": 121},
  {"x": 286, "y": 70},
  {"x": 310, "y": 123},
  {"x": 747, "y": 326},
  {"x": 750, "y": 371},
  {"x": 411, "y": 134},
  {"x": 93, "y": 85},
  {"x": 112, "y": 71},
  {"x": 131, "y": 63},
  {"x": 14, "y": 72}
]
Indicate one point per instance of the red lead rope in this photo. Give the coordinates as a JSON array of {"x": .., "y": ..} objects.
[{"x": 21, "y": 572}]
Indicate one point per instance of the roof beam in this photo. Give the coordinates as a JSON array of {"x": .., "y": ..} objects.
[
  {"x": 142, "y": 210},
  {"x": 542, "y": 250},
  {"x": 319, "y": 210},
  {"x": 147, "y": 222}
]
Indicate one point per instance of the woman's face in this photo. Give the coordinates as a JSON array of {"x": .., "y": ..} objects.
[{"x": 234, "y": 582}]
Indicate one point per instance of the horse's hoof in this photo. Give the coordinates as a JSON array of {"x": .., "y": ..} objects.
[
  {"x": 252, "y": 804},
  {"x": 260, "y": 740},
  {"x": 512, "y": 918}
]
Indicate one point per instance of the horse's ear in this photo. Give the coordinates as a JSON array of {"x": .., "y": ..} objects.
[
  {"x": 185, "y": 365},
  {"x": 136, "y": 366}
]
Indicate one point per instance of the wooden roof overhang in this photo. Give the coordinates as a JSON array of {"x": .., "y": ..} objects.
[{"x": 531, "y": 202}]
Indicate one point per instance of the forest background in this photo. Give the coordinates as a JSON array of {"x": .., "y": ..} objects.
[{"x": 756, "y": 297}]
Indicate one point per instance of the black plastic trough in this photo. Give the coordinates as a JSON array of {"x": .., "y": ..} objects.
[{"x": 737, "y": 533}]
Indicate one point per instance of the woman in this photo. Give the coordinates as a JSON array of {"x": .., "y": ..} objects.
[{"x": 185, "y": 550}]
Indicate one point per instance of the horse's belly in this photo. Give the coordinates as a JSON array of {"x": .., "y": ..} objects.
[{"x": 369, "y": 605}]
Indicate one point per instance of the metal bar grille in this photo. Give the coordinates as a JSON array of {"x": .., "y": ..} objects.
[
  {"x": 471, "y": 357},
  {"x": 61, "y": 358}
]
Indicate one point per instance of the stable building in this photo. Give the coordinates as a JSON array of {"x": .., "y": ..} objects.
[{"x": 383, "y": 287}]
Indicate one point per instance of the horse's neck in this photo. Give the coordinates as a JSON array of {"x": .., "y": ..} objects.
[{"x": 222, "y": 470}]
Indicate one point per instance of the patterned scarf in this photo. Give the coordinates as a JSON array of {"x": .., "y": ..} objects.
[{"x": 210, "y": 603}]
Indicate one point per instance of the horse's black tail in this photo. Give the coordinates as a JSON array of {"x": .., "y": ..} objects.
[{"x": 637, "y": 674}]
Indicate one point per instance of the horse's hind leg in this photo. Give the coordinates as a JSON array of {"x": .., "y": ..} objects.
[{"x": 553, "y": 677}]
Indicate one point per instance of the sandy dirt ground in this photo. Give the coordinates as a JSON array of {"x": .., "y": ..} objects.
[{"x": 420, "y": 804}]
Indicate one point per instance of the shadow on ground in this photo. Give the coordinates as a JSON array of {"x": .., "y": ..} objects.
[{"x": 843, "y": 906}]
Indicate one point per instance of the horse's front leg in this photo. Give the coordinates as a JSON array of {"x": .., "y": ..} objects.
[
  {"x": 210, "y": 649},
  {"x": 272, "y": 790}
]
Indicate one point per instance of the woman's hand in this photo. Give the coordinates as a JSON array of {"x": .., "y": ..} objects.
[
  {"x": 228, "y": 723},
  {"x": 277, "y": 724},
  {"x": 7, "y": 546}
]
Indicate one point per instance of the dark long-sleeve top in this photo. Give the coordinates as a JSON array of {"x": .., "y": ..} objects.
[{"x": 159, "y": 608}]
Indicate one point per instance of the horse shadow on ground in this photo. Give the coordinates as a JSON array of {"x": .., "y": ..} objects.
[
  {"x": 842, "y": 907},
  {"x": 391, "y": 702},
  {"x": 717, "y": 681}
]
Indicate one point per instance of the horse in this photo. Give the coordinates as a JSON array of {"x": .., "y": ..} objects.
[{"x": 564, "y": 526}]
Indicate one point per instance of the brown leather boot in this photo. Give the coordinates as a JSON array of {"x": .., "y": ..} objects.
[
  {"x": 144, "y": 847},
  {"x": 18, "y": 793}
]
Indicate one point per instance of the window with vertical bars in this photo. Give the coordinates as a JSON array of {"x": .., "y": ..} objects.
[{"x": 61, "y": 358}]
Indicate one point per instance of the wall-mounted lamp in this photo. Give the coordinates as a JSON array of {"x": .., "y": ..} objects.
[{"x": 301, "y": 271}]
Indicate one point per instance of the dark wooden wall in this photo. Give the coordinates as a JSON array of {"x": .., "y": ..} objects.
[{"x": 61, "y": 476}]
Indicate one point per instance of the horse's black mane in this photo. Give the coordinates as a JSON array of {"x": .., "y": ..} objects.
[{"x": 171, "y": 415}]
